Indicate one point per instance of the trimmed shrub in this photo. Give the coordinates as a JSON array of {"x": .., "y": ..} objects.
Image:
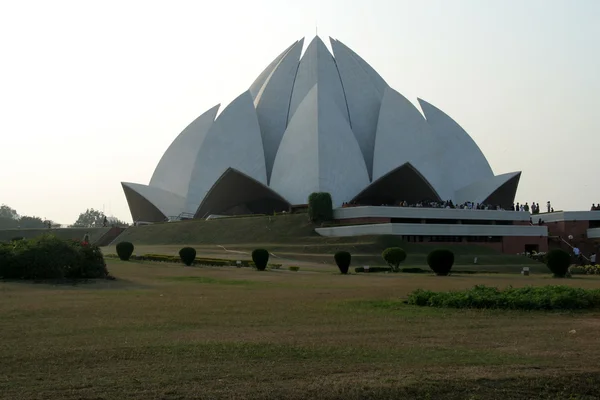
[
  {"x": 274, "y": 266},
  {"x": 441, "y": 261},
  {"x": 372, "y": 269},
  {"x": 527, "y": 298},
  {"x": 320, "y": 207},
  {"x": 260, "y": 258},
  {"x": 342, "y": 259},
  {"x": 558, "y": 262},
  {"x": 125, "y": 250},
  {"x": 294, "y": 268},
  {"x": 393, "y": 256},
  {"x": 187, "y": 255}
]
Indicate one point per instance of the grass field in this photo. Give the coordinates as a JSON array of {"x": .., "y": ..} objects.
[
  {"x": 167, "y": 332},
  {"x": 63, "y": 233},
  {"x": 292, "y": 237}
]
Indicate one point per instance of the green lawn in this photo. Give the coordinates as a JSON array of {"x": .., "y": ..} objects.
[
  {"x": 168, "y": 332},
  {"x": 292, "y": 237}
]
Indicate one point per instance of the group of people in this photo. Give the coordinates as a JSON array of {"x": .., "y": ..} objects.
[
  {"x": 469, "y": 205},
  {"x": 579, "y": 257},
  {"x": 534, "y": 208}
]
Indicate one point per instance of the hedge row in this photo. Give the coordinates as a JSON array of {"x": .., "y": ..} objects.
[
  {"x": 527, "y": 298},
  {"x": 48, "y": 257},
  {"x": 213, "y": 262}
]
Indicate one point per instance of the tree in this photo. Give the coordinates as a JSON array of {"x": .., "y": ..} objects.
[
  {"x": 394, "y": 256},
  {"x": 10, "y": 219},
  {"x": 90, "y": 219},
  {"x": 320, "y": 207},
  {"x": 8, "y": 213},
  {"x": 26, "y": 222}
]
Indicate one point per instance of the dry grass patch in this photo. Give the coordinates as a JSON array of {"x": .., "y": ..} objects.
[{"x": 171, "y": 332}]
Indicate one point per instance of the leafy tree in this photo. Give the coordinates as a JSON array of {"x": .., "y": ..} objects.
[
  {"x": 90, "y": 219},
  {"x": 393, "y": 256},
  {"x": 26, "y": 222},
  {"x": 116, "y": 222},
  {"x": 10, "y": 219},
  {"x": 8, "y": 212}
]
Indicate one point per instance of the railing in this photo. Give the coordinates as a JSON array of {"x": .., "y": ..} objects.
[{"x": 572, "y": 247}]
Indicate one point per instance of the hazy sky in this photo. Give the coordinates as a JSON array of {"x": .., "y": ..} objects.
[{"x": 93, "y": 93}]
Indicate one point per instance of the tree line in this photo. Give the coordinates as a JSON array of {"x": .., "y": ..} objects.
[{"x": 90, "y": 218}]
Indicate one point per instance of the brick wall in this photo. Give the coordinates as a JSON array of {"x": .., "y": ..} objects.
[{"x": 516, "y": 244}]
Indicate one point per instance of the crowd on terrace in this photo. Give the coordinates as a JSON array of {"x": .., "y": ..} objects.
[{"x": 469, "y": 205}]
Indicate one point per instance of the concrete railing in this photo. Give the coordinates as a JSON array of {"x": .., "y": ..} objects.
[
  {"x": 429, "y": 213},
  {"x": 567, "y": 216},
  {"x": 434, "y": 230}
]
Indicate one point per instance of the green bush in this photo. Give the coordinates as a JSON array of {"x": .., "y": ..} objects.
[
  {"x": 8, "y": 265},
  {"x": 294, "y": 268},
  {"x": 16, "y": 238},
  {"x": 187, "y": 255},
  {"x": 320, "y": 207},
  {"x": 48, "y": 257},
  {"x": 527, "y": 298},
  {"x": 393, "y": 256},
  {"x": 558, "y": 262},
  {"x": 125, "y": 250},
  {"x": 441, "y": 261},
  {"x": 373, "y": 269},
  {"x": 343, "y": 259},
  {"x": 260, "y": 258}
]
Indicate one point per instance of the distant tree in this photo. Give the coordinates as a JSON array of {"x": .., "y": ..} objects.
[
  {"x": 114, "y": 221},
  {"x": 90, "y": 219},
  {"x": 8, "y": 212},
  {"x": 26, "y": 222},
  {"x": 10, "y": 219}
]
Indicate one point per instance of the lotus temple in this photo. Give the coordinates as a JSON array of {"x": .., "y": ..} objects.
[{"x": 328, "y": 122}]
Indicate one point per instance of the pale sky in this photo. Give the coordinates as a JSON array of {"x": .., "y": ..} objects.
[{"x": 93, "y": 92}]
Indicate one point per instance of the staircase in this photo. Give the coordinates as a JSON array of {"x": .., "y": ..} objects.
[
  {"x": 109, "y": 236},
  {"x": 562, "y": 243}
]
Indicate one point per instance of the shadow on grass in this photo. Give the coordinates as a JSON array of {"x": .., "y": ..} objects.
[
  {"x": 75, "y": 283},
  {"x": 215, "y": 281}
]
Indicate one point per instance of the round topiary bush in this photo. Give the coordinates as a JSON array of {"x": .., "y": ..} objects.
[
  {"x": 558, "y": 262},
  {"x": 342, "y": 259},
  {"x": 393, "y": 256},
  {"x": 188, "y": 255},
  {"x": 441, "y": 261},
  {"x": 125, "y": 250},
  {"x": 260, "y": 258}
]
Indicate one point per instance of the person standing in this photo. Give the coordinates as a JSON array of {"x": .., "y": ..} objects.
[{"x": 548, "y": 206}]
